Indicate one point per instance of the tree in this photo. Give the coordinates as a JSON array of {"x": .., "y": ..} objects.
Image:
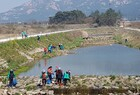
[
  {"x": 95, "y": 15},
  {"x": 109, "y": 18},
  {"x": 74, "y": 16}
]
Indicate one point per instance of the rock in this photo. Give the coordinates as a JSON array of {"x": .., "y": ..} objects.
[
  {"x": 95, "y": 82},
  {"x": 111, "y": 94},
  {"x": 5, "y": 91},
  {"x": 115, "y": 87},
  {"x": 50, "y": 92},
  {"x": 130, "y": 92},
  {"x": 84, "y": 34},
  {"x": 1, "y": 84}
]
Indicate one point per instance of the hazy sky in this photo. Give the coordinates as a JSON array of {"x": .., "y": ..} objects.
[{"x": 5, "y": 5}]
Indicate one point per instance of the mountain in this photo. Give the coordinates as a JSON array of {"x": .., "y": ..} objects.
[{"x": 40, "y": 10}]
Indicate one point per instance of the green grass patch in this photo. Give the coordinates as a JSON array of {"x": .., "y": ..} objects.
[{"x": 10, "y": 50}]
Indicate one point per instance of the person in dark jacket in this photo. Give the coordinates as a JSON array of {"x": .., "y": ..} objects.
[
  {"x": 11, "y": 77},
  {"x": 38, "y": 38},
  {"x": 60, "y": 76},
  {"x": 56, "y": 74},
  {"x": 49, "y": 73}
]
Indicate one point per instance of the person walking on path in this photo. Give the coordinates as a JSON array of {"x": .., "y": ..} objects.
[
  {"x": 38, "y": 38},
  {"x": 22, "y": 34},
  {"x": 25, "y": 34}
]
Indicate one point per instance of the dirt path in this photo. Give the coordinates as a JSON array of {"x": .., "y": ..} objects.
[
  {"x": 135, "y": 29},
  {"x": 41, "y": 34}
]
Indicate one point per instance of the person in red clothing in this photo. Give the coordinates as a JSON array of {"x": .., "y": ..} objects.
[{"x": 45, "y": 50}]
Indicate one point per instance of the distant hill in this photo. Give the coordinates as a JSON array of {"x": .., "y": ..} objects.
[{"x": 39, "y": 10}]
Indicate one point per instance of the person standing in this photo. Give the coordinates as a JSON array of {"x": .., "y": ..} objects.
[
  {"x": 50, "y": 72},
  {"x": 44, "y": 78},
  {"x": 56, "y": 74},
  {"x": 60, "y": 76},
  {"x": 69, "y": 72},
  {"x": 11, "y": 77},
  {"x": 25, "y": 34},
  {"x": 38, "y": 38},
  {"x": 66, "y": 77},
  {"x": 22, "y": 34}
]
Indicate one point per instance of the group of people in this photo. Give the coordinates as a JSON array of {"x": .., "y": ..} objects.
[
  {"x": 47, "y": 77},
  {"x": 51, "y": 47},
  {"x": 60, "y": 77}
]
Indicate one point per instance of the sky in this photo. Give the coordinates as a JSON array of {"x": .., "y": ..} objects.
[{"x": 5, "y": 5}]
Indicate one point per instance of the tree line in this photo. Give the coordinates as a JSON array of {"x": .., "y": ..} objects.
[{"x": 110, "y": 17}]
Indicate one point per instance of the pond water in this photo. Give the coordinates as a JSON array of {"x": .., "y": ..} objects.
[{"x": 96, "y": 60}]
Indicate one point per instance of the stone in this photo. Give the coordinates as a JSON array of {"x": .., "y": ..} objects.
[
  {"x": 50, "y": 92},
  {"x": 130, "y": 92}
]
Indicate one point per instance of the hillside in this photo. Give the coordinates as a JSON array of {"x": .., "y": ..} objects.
[{"x": 40, "y": 10}]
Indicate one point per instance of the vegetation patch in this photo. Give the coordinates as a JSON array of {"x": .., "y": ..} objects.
[{"x": 18, "y": 62}]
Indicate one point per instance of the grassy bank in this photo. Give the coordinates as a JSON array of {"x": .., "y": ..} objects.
[
  {"x": 133, "y": 38},
  {"x": 10, "y": 51}
]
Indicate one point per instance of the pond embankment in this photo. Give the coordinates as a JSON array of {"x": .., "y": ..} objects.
[
  {"x": 83, "y": 85},
  {"x": 17, "y": 54},
  {"x": 21, "y": 54}
]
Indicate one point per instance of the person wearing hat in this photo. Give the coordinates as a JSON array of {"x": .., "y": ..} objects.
[
  {"x": 43, "y": 77},
  {"x": 11, "y": 77}
]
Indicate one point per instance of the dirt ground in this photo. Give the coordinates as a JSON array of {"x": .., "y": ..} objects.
[
  {"x": 3, "y": 36},
  {"x": 134, "y": 25},
  {"x": 14, "y": 30}
]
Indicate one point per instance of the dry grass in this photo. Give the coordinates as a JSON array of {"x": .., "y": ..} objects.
[
  {"x": 134, "y": 24},
  {"x": 15, "y": 29}
]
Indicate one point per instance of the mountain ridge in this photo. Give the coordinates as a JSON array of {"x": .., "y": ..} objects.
[{"x": 41, "y": 10}]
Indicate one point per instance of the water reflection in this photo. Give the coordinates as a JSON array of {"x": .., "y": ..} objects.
[
  {"x": 39, "y": 64},
  {"x": 45, "y": 62}
]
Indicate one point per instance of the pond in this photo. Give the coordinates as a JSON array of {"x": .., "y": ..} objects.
[{"x": 96, "y": 60}]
